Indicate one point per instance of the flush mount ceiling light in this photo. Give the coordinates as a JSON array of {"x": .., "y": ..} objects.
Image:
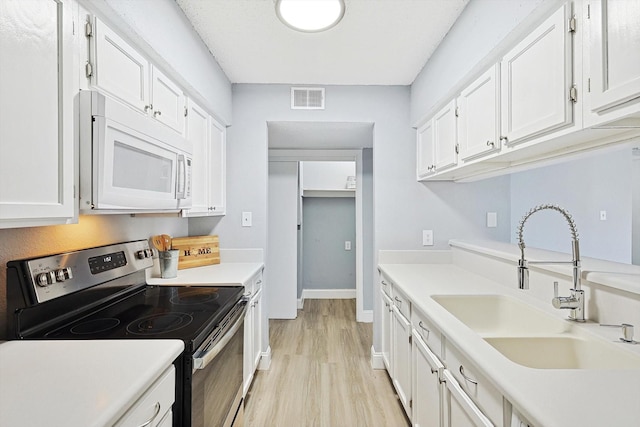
[{"x": 310, "y": 16}]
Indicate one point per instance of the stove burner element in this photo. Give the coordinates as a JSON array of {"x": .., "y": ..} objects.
[
  {"x": 159, "y": 323},
  {"x": 188, "y": 296},
  {"x": 94, "y": 326}
]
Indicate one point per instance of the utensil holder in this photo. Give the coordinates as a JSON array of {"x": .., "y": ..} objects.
[{"x": 168, "y": 263}]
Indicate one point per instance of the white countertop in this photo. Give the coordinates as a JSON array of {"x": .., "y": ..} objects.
[
  {"x": 77, "y": 383},
  {"x": 547, "y": 397},
  {"x": 226, "y": 273}
]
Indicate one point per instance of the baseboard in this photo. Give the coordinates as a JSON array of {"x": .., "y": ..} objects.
[
  {"x": 328, "y": 294},
  {"x": 265, "y": 360},
  {"x": 376, "y": 360},
  {"x": 300, "y": 303},
  {"x": 366, "y": 316}
]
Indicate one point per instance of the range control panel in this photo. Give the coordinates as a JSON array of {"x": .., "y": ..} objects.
[{"x": 58, "y": 275}]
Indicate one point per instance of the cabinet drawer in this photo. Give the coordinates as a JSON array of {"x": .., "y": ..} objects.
[
  {"x": 402, "y": 302},
  {"x": 429, "y": 334},
  {"x": 385, "y": 285},
  {"x": 479, "y": 389},
  {"x": 153, "y": 404}
]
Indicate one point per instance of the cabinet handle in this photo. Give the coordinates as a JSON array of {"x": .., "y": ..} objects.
[
  {"x": 153, "y": 417},
  {"x": 466, "y": 377},
  {"x": 386, "y": 304},
  {"x": 398, "y": 300},
  {"x": 258, "y": 282},
  {"x": 504, "y": 138},
  {"x": 384, "y": 283},
  {"x": 424, "y": 329},
  {"x": 433, "y": 371},
  {"x": 491, "y": 144},
  {"x": 148, "y": 107},
  {"x": 157, "y": 113}
]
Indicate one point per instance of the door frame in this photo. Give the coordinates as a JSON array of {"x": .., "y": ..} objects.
[{"x": 300, "y": 155}]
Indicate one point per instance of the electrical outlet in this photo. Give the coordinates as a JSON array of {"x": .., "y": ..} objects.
[
  {"x": 347, "y": 245},
  {"x": 427, "y": 237},
  {"x": 246, "y": 219},
  {"x": 603, "y": 215}
]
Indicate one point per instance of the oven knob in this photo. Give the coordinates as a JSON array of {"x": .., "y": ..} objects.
[
  {"x": 141, "y": 255},
  {"x": 46, "y": 279},
  {"x": 63, "y": 274},
  {"x": 149, "y": 253}
]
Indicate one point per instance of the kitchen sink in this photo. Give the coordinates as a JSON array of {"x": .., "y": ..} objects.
[
  {"x": 532, "y": 338},
  {"x": 499, "y": 315},
  {"x": 564, "y": 352}
]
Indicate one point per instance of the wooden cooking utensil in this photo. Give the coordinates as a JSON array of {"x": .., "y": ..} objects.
[
  {"x": 157, "y": 242},
  {"x": 166, "y": 239}
]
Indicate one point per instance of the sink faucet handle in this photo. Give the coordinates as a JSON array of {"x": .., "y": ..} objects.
[{"x": 627, "y": 332}]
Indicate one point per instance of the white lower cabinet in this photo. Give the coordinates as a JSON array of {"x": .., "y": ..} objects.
[
  {"x": 252, "y": 330},
  {"x": 401, "y": 358},
  {"x": 461, "y": 411},
  {"x": 153, "y": 409},
  {"x": 427, "y": 387}
]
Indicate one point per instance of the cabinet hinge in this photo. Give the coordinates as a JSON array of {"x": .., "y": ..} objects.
[
  {"x": 588, "y": 11},
  {"x": 186, "y": 111},
  {"x": 457, "y": 112},
  {"x": 457, "y": 148},
  {"x": 589, "y": 85},
  {"x": 411, "y": 403},
  {"x": 410, "y": 339},
  {"x": 572, "y": 24},
  {"x": 88, "y": 69},
  {"x": 88, "y": 29},
  {"x": 573, "y": 93}
]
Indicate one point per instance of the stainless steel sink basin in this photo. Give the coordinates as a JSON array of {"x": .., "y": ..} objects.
[
  {"x": 564, "y": 352},
  {"x": 532, "y": 338}
]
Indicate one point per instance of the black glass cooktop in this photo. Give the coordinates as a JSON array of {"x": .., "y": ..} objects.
[{"x": 181, "y": 312}]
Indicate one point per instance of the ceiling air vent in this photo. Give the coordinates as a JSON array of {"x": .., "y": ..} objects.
[{"x": 307, "y": 98}]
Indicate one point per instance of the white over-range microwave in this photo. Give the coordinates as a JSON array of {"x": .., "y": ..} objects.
[{"x": 130, "y": 162}]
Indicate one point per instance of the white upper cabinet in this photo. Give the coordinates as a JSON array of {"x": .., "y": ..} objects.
[
  {"x": 168, "y": 101},
  {"x": 117, "y": 68},
  {"x": 445, "y": 137},
  {"x": 198, "y": 135},
  {"x": 537, "y": 78},
  {"x": 479, "y": 115},
  {"x": 425, "y": 161},
  {"x": 37, "y": 86},
  {"x": 614, "y": 48},
  {"x": 218, "y": 168}
]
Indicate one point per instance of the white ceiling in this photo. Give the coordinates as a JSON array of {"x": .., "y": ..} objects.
[{"x": 378, "y": 42}]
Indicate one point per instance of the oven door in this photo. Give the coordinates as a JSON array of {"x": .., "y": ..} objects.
[{"x": 216, "y": 387}]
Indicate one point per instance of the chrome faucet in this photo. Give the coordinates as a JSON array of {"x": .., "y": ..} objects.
[{"x": 575, "y": 302}]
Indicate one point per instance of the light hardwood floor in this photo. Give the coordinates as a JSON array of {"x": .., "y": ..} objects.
[{"x": 321, "y": 374}]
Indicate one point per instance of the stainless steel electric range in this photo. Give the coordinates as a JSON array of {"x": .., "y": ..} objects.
[{"x": 101, "y": 293}]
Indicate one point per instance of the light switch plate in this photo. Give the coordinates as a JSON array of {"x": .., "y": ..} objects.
[
  {"x": 246, "y": 219},
  {"x": 347, "y": 245},
  {"x": 427, "y": 237},
  {"x": 492, "y": 219}
]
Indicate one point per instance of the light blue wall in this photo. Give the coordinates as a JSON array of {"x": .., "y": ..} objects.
[
  {"x": 602, "y": 181},
  {"x": 368, "y": 222},
  {"x": 327, "y": 223}
]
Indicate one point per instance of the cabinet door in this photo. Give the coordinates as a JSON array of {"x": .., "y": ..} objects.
[
  {"x": 119, "y": 69},
  {"x": 479, "y": 117},
  {"x": 198, "y": 135},
  {"x": 427, "y": 389},
  {"x": 217, "y": 171},
  {"x": 425, "y": 148},
  {"x": 37, "y": 168},
  {"x": 536, "y": 79},
  {"x": 257, "y": 328},
  {"x": 247, "y": 358},
  {"x": 615, "y": 61},
  {"x": 461, "y": 411},
  {"x": 387, "y": 318},
  {"x": 445, "y": 137},
  {"x": 401, "y": 359},
  {"x": 168, "y": 101}
]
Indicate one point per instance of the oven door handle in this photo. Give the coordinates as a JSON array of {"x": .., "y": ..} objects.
[{"x": 202, "y": 361}]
